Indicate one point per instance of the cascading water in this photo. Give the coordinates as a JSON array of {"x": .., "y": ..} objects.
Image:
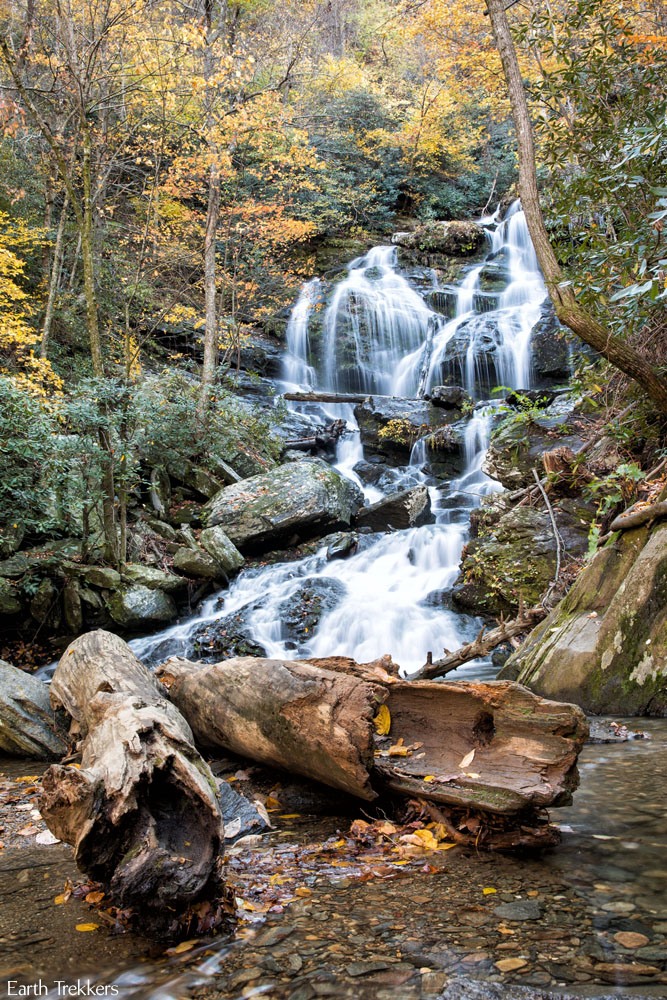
[{"x": 378, "y": 335}]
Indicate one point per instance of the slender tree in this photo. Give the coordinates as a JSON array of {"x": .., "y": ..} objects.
[{"x": 569, "y": 311}]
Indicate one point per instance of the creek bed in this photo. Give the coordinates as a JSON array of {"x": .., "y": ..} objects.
[{"x": 588, "y": 918}]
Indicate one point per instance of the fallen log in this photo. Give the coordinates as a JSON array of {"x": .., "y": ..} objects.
[
  {"x": 28, "y": 725},
  {"x": 296, "y": 715},
  {"x": 482, "y": 644},
  {"x": 494, "y": 748},
  {"x": 141, "y": 811},
  {"x": 327, "y": 397}
]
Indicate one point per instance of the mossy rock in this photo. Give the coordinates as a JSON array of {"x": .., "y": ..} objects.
[{"x": 605, "y": 645}]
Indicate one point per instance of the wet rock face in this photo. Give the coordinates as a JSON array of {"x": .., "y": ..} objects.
[
  {"x": 605, "y": 645},
  {"x": 442, "y": 239},
  {"x": 407, "y": 509},
  {"x": 300, "y": 500},
  {"x": 513, "y": 556},
  {"x": 549, "y": 346},
  {"x": 301, "y": 613},
  {"x": 229, "y": 636},
  {"x": 390, "y": 425},
  {"x": 519, "y": 442}
]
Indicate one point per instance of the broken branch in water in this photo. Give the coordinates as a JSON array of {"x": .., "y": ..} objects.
[{"x": 482, "y": 644}]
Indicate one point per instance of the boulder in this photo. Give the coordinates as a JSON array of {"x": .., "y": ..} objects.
[
  {"x": 518, "y": 443},
  {"x": 15, "y": 566},
  {"x": 228, "y": 636},
  {"x": 11, "y": 536},
  {"x": 449, "y": 239},
  {"x": 222, "y": 549},
  {"x": 549, "y": 345},
  {"x": 44, "y": 604},
  {"x": 28, "y": 725},
  {"x": 450, "y": 397},
  {"x": 406, "y": 509},
  {"x": 300, "y": 614},
  {"x": 296, "y": 501},
  {"x": 72, "y": 607},
  {"x": 97, "y": 576},
  {"x": 341, "y": 545},
  {"x": 194, "y": 562},
  {"x": 134, "y": 606},
  {"x": 10, "y": 603},
  {"x": 154, "y": 579},
  {"x": 513, "y": 557},
  {"x": 390, "y": 425},
  {"x": 604, "y": 646}
]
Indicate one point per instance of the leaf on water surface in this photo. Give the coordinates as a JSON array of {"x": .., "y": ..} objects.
[
  {"x": 382, "y": 721},
  {"x": 184, "y": 946}
]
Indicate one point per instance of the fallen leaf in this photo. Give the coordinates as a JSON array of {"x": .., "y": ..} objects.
[
  {"x": 46, "y": 837},
  {"x": 94, "y": 898},
  {"x": 182, "y": 947},
  {"x": 488, "y": 890},
  {"x": 272, "y": 803},
  {"x": 28, "y": 831},
  {"x": 428, "y": 778},
  {"x": 289, "y": 815},
  {"x": 467, "y": 760},
  {"x": 382, "y": 721},
  {"x": 62, "y": 898},
  {"x": 86, "y": 927},
  {"x": 27, "y": 779}
]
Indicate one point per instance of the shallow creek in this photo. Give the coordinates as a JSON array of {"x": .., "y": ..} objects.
[{"x": 589, "y": 917}]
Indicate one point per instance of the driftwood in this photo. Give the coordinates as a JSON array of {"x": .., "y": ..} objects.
[
  {"x": 482, "y": 644},
  {"x": 327, "y": 397},
  {"x": 493, "y": 748},
  {"x": 28, "y": 725},
  {"x": 296, "y": 715},
  {"x": 141, "y": 811}
]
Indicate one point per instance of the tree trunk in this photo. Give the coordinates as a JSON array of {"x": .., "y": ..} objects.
[
  {"x": 141, "y": 811},
  {"x": 56, "y": 269},
  {"x": 329, "y": 397},
  {"x": 288, "y": 714},
  {"x": 569, "y": 311},
  {"x": 88, "y": 257},
  {"x": 210, "y": 291}
]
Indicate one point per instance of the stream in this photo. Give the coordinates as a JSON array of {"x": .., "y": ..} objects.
[{"x": 589, "y": 917}]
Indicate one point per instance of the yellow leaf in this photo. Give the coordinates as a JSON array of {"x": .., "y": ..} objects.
[
  {"x": 289, "y": 815},
  {"x": 488, "y": 890},
  {"x": 27, "y": 779},
  {"x": 183, "y": 946},
  {"x": 382, "y": 721},
  {"x": 272, "y": 803},
  {"x": 302, "y": 891},
  {"x": 398, "y": 751},
  {"x": 61, "y": 898},
  {"x": 446, "y": 847},
  {"x": 94, "y": 897},
  {"x": 428, "y": 777},
  {"x": 86, "y": 927},
  {"x": 427, "y": 839}
]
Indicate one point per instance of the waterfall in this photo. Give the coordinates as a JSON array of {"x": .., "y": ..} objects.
[{"x": 379, "y": 336}]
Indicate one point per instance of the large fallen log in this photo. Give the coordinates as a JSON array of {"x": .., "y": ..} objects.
[
  {"x": 327, "y": 397},
  {"x": 482, "y": 644},
  {"x": 296, "y": 715},
  {"x": 493, "y": 748},
  {"x": 141, "y": 811}
]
